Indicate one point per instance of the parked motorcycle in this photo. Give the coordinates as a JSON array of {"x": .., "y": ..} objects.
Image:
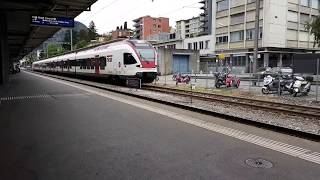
[
  {"x": 271, "y": 84},
  {"x": 226, "y": 79},
  {"x": 174, "y": 77},
  {"x": 232, "y": 81},
  {"x": 220, "y": 79},
  {"x": 182, "y": 79},
  {"x": 287, "y": 84},
  {"x": 301, "y": 85}
]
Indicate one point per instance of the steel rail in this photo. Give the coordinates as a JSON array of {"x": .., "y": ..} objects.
[{"x": 290, "y": 109}]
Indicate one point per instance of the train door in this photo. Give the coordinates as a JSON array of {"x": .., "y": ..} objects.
[{"x": 117, "y": 63}]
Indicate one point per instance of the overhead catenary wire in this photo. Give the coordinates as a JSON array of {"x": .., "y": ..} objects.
[
  {"x": 108, "y": 5},
  {"x": 179, "y": 9},
  {"x": 136, "y": 8}
]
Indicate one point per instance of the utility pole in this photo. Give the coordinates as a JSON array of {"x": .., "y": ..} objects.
[
  {"x": 317, "y": 87},
  {"x": 256, "y": 37},
  {"x": 71, "y": 45},
  {"x": 47, "y": 49}
]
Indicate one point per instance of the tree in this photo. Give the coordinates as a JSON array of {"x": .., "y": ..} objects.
[
  {"x": 314, "y": 28},
  {"x": 82, "y": 44},
  {"x": 92, "y": 31},
  {"x": 54, "y": 49},
  {"x": 83, "y": 36}
]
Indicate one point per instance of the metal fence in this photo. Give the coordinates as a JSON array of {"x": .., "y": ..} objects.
[{"x": 250, "y": 82}]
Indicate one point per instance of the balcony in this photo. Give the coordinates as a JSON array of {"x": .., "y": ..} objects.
[
  {"x": 137, "y": 20},
  {"x": 203, "y": 14},
  {"x": 202, "y": 2},
  {"x": 137, "y": 25},
  {"x": 204, "y": 20}
]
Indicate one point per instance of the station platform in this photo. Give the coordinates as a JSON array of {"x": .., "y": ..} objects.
[{"x": 50, "y": 130}]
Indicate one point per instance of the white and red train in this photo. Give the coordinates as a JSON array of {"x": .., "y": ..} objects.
[{"x": 118, "y": 60}]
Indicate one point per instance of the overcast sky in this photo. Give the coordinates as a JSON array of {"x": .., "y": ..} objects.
[{"x": 108, "y": 14}]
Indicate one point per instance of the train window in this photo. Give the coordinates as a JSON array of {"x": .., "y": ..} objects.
[
  {"x": 88, "y": 61},
  {"x": 92, "y": 63},
  {"x": 82, "y": 64},
  {"x": 128, "y": 59},
  {"x": 73, "y": 63},
  {"x": 103, "y": 63}
]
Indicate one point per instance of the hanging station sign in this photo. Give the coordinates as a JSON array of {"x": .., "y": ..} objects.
[{"x": 52, "y": 21}]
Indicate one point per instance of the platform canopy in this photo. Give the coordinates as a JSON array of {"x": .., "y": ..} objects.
[{"x": 24, "y": 37}]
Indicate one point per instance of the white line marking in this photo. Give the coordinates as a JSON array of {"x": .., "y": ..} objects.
[{"x": 284, "y": 148}]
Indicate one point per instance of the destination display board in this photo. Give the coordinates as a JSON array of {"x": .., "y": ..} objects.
[{"x": 52, "y": 21}]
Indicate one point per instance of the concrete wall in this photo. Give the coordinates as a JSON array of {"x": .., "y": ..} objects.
[
  {"x": 4, "y": 56},
  {"x": 203, "y": 52},
  {"x": 275, "y": 23},
  {"x": 166, "y": 59}
]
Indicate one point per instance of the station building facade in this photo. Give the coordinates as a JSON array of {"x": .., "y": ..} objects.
[{"x": 282, "y": 31}]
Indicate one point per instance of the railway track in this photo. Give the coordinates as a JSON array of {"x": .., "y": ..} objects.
[{"x": 290, "y": 109}]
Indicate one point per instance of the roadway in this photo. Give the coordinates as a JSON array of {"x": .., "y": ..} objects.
[{"x": 50, "y": 129}]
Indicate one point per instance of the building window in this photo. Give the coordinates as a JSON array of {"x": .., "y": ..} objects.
[
  {"x": 195, "y": 45},
  {"x": 159, "y": 26},
  {"x": 292, "y": 16},
  {"x": 189, "y": 45},
  {"x": 223, "y": 5},
  {"x": 222, "y": 39},
  {"x": 305, "y": 3},
  {"x": 235, "y": 3},
  {"x": 251, "y": 33},
  {"x": 239, "y": 61},
  {"x": 173, "y": 46},
  {"x": 207, "y": 44},
  {"x": 236, "y": 36},
  {"x": 201, "y": 44},
  {"x": 154, "y": 26},
  {"x": 315, "y": 4},
  {"x": 251, "y": 1},
  {"x": 237, "y": 19},
  {"x": 304, "y": 18}
]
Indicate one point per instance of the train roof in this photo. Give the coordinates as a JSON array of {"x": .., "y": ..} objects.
[{"x": 71, "y": 54}]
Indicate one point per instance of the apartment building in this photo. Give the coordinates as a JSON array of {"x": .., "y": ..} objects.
[
  {"x": 189, "y": 28},
  {"x": 147, "y": 26},
  {"x": 282, "y": 30},
  {"x": 196, "y": 33}
]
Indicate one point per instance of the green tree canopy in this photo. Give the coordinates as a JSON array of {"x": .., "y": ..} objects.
[
  {"x": 54, "y": 49},
  {"x": 92, "y": 31},
  {"x": 314, "y": 28}
]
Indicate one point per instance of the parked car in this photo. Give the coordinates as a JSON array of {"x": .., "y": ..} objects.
[
  {"x": 283, "y": 70},
  {"x": 265, "y": 71}
]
